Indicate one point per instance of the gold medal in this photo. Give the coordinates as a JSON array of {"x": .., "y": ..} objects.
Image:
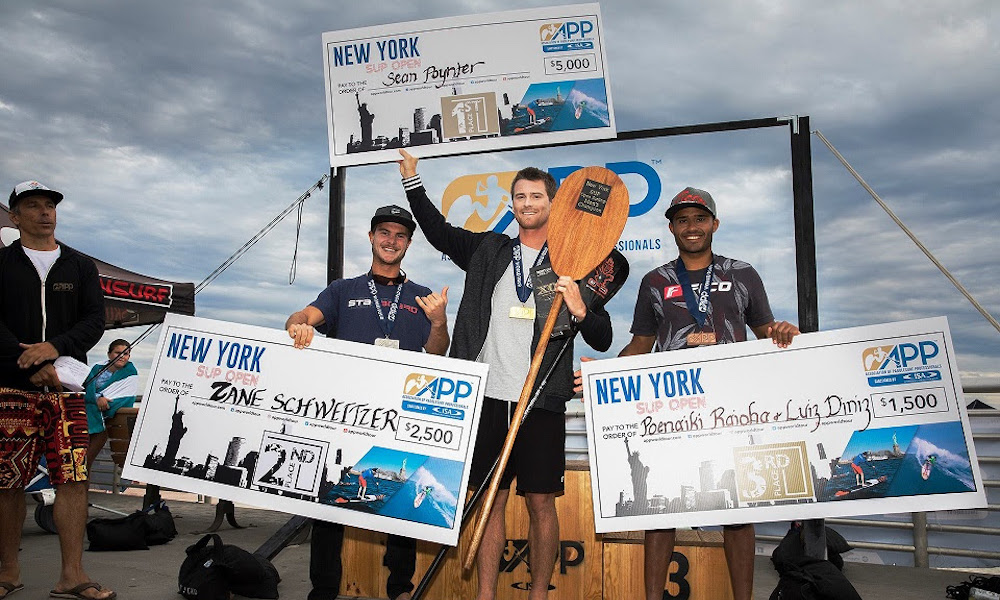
[
  {"x": 522, "y": 312},
  {"x": 702, "y": 338}
]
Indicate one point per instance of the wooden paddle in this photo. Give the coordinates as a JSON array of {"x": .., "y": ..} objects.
[{"x": 587, "y": 218}]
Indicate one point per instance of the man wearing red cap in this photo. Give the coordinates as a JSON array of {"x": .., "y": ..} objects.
[
  {"x": 699, "y": 299},
  {"x": 51, "y": 305}
]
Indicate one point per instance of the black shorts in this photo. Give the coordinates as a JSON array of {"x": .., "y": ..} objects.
[{"x": 538, "y": 459}]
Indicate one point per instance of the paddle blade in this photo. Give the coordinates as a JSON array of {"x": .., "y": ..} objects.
[{"x": 587, "y": 218}]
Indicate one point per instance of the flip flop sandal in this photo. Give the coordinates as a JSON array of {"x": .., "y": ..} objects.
[
  {"x": 9, "y": 589},
  {"x": 77, "y": 593}
]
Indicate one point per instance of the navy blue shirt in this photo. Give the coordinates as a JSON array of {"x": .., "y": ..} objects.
[{"x": 350, "y": 315}]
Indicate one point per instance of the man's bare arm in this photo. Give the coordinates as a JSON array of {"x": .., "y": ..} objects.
[
  {"x": 780, "y": 332},
  {"x": 300, "y": 325},
  {"x": 640, "y": 344},
  {"x": 434, "y": 306}
]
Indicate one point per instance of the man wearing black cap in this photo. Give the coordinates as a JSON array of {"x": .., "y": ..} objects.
[
  {"x": 384, "y": 308},
  {"x": 51, "y": 305},
  {"x": 701, "y": 299}
]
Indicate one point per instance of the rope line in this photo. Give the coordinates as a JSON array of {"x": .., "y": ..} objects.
[
  {"x": 298, "y": 204},
  {"x": 909, "y": 233}
]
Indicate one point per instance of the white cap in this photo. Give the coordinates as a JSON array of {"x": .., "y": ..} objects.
[{"x": 32, "y": 188}]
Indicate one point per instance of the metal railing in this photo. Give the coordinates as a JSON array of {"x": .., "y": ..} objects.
[{"x": 918, "y": 524}]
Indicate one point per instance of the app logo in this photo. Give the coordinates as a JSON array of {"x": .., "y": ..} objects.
[
  {"x": 481, "y": 202},
  {"x": 566, "y": 31},
  {"x": 906, "y": 362},
  {"x": 900, "y": 356},
  {"x": 421, "y": 385},
  {"x": 773, "y": 472}
]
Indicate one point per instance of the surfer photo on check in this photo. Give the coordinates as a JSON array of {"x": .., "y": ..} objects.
[
  {"x": 857, "y": 465},
  {"x": 699, "y": 299}
]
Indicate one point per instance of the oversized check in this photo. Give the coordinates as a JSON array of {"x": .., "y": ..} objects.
[
  {"x": 371, "y": 437},
  {"x": 467, "y": 84},
  {"x": 849, "y": 422}
]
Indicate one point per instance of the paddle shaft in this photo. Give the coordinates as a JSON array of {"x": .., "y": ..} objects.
[
  {"x": 425, "y": 581},
  {"x": 515, "y": 425}
]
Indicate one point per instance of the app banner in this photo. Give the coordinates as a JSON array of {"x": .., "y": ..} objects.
[
  {"x": 371, "y": 437},
  {"x": 849, "y": 422},
  {"x": 467, "y": 84}
]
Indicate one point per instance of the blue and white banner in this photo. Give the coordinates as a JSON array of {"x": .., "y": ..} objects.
[
  {"x": 371, "y": 437},
  {"x": 467, "y": 84},
  {"x": 848, "y": 422}
]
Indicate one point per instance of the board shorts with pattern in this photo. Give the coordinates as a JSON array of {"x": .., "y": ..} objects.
[{"x": 32, "y": 423}]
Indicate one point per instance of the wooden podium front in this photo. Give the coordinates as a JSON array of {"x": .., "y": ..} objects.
[{"x": 589, "y": 566}]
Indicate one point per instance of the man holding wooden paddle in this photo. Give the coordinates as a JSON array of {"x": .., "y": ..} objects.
[
  {"x": 496, "y": 324},
  {"x": 699, "y": 299}
]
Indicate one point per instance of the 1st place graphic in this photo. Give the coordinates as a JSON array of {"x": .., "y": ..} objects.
[{"x": 910, "y": 402}]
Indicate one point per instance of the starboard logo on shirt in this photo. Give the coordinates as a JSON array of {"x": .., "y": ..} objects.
[{"x": 356, "y": 302}]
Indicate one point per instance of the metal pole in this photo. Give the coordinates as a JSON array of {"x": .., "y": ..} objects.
[
  {"x": 920, "y": 540},
  {"x": 813, "y": 530},
  {"x": 335, "y": 233},
  {"x": 805, "y": 229}
]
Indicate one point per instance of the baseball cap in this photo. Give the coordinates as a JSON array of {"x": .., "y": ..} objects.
[
  {"x": 690, "y": 196},
  {"x": 395, "y": 214},
  {"x": 32, "y": 188}
]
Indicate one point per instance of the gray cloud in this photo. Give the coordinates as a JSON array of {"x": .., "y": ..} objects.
[{"x": 177, "y": 130}]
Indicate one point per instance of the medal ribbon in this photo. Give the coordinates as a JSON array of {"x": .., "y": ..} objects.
[
  {"x": 524, "y": 288},
  {"x": 698, "y": 307},
  {"x": 386, "y": 323}
]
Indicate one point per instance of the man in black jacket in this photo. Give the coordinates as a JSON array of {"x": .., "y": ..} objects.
[
  {"x": 51, "y": 305},
  {"x": 496, "y": 324}
]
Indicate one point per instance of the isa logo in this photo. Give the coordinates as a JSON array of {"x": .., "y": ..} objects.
[
  {"x": 906, "y": 362},
  {"x": 429, "y": 387},
  {"x": 567, "y": 36}
]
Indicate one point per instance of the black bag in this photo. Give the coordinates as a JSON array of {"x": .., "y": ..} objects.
[
  {"x": 160, "y": 527},
  {"x": 200, "y": 577},
  {"x": 208, "y": 572},
  {"x": 249, "y": 574},
  {"x": 807, "y": 578},
  {"x": 137, "y": 531},
  {"x": 120, "y": 533}
]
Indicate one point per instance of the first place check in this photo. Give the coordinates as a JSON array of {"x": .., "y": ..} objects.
[{"x": 467, "y": 84}]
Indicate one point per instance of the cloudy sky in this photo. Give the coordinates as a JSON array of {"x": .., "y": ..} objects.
[{"x": 177, "y": 130}]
